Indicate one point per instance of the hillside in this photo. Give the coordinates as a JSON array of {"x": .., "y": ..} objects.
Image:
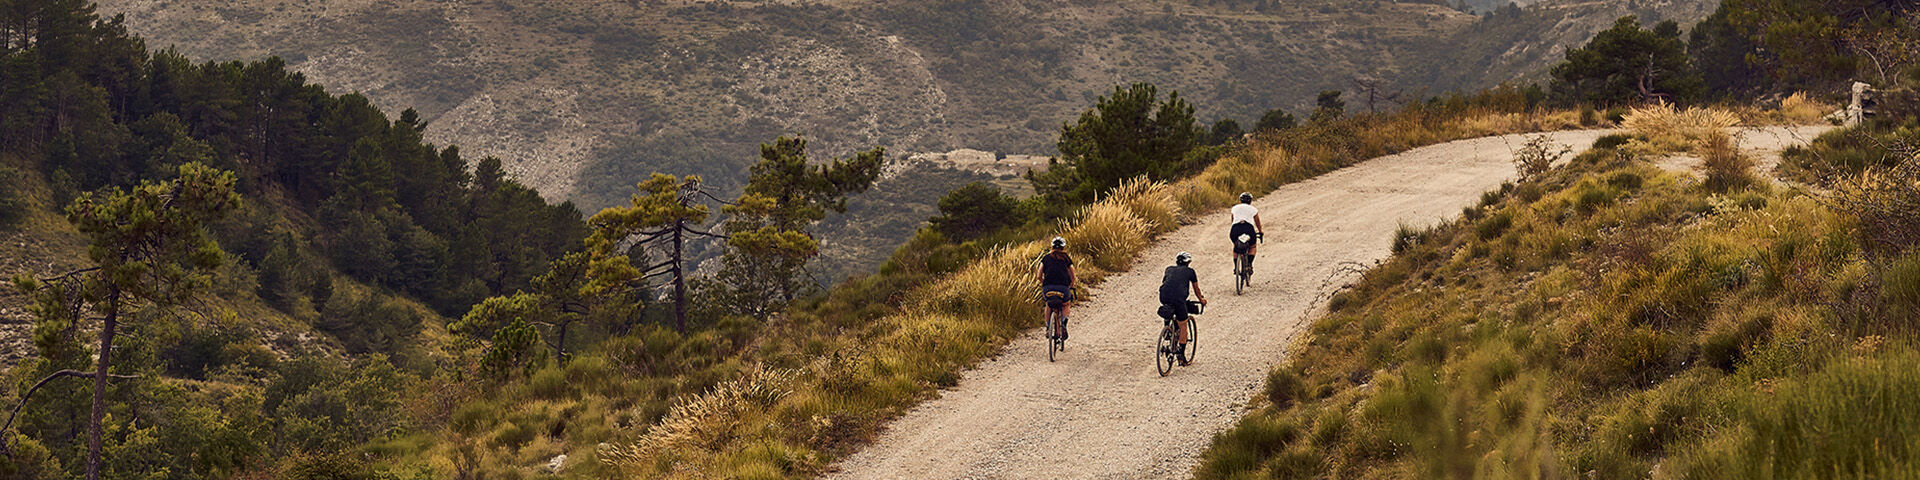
[{"x": 582, "y": 98}]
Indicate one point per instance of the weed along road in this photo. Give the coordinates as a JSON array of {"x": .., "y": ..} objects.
[{"x": 1102, "y": 411}]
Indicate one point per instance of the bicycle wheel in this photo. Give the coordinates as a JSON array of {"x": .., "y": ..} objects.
[
  {"x": 1193, "y": 337},
  {"x": 1163, "y": 356},
  {"x": 1053, "y": 332},
  {"x": 1243, "y": 277}
]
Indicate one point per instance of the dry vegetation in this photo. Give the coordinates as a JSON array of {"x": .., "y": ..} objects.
[
  {"x": 1609, "y": 320},
  {"x": 858, "y": 364}
]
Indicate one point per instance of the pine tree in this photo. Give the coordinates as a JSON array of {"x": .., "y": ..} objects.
[
  {"x": 1129, "y": 133},
  {"x": 150, "y": 251},
  {"x": 769, "y": 228},
  {"x": 1627, "y": 64}
]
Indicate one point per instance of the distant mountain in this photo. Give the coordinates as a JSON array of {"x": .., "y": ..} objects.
[{"x": 583, "y": 98}]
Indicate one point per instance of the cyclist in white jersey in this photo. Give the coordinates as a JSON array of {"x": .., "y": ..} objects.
[{"x": 1246, "y": 231}]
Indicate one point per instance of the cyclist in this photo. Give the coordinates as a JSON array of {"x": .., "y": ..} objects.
[
  {"x": 1245, "y": 232},
  {"x": 1056, "y": 280},
  {"x": 1173, "y": 297}
]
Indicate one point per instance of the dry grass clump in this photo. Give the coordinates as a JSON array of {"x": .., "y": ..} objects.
[
  {"x": 705, "y": 421},
  {"x": 1151, "y": 201},
  {"x": 1002, "y": 283},
  {"x": 1726, "y": 166},
  {"x": 1797, "y": 109},
  {"x": 1886, "y": 200},
  {"x": 1107, "y": 235},
  {"x": 1661, "y": 128}
]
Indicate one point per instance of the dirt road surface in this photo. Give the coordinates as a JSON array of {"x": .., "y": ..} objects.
[{"x": 1102, "y": 411}]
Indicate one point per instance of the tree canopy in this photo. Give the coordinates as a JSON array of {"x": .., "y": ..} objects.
[
  {"x": 1129, "y": 132},
  {"x": 1628, "y": 64}
]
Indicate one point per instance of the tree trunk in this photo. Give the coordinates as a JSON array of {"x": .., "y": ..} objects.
[
  {"x": 560, "y": 344},
  {"x": 100, "y": 384},
  {"x": 679, "y": 279}
]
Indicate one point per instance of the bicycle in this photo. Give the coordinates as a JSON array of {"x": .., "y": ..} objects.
[
  {"x": 1056, "y": 341},
  {"x": 1243, "y": 267},
  {"x": 1165, "y": 357}
]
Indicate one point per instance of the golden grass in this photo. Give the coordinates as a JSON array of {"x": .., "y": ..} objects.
[
  {"x": 707, "y": 420},
  {"x": 1797, "y": 109},
  {"x": 1661, "y": 128},
  {"x": 1726, "y": 166}
]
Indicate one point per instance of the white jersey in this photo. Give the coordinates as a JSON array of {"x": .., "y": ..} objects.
[{"x": 1243, "y": 213}]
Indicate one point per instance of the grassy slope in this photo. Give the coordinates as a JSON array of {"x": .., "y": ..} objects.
[
  {"x": 1610, "y": 321},
  {"x": 822, "y": 381}
]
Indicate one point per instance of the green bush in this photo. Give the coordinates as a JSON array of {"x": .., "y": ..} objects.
[
  {"x": 975, "y": 210},
  {"x": 1494, "y": 225},
  {"x": 549, "y": 383},
  {"x": 1852, "y": 419},
  {"x": 1613, "y": 141},
  {"x": 1283, "y": 387}
]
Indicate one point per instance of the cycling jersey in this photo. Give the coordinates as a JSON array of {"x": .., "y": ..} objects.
[
  {"x": 1175, "y": 285},
  {"x": 1055, "y": 269},
  {"x": 1244, "y": 213}
]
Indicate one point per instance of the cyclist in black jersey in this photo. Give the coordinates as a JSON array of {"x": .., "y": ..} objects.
[
  {"x": 1178, "y": 279},
  {"x": 1057, "y": 278}
]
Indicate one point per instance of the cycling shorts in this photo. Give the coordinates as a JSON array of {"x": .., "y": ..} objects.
[
  {"x": 1242, "y": 229},
  {"x": 1063, "y": 289}
]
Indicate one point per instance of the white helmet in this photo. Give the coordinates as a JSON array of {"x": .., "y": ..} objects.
[
  {"x": 1059, "y": 243},
  {"x": 1183, "y": 258}
]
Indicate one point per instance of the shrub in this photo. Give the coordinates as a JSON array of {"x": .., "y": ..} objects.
[
  {"x": 1797, "y": 109},
  {"x": 1727, "y": 168},
  {"x": 1660, "y": 128},
  {"x": 550, "y": 383},
  {"x": 1886, "y": 201},
  {"x": 1405, "y": 237},
  {"x": 1611, "y": 141},
  {"x": 975, "y": 210},
  {"x": 1494, "y": 225},
  {"x": 1283, "y": 386},
  {"x": 1537, "y": 156}
]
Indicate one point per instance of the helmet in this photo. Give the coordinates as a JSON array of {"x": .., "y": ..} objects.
[
  {"x": 1059, "y": 243},
  {"x": 1183, "y": 258},
  {"x": 1246, "y": 197}
]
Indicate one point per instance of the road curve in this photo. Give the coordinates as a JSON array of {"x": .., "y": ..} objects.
[{"x": 1102, "y": 411}]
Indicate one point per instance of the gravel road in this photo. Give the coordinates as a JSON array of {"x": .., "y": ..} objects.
[{"x": 1102, "y": 411}]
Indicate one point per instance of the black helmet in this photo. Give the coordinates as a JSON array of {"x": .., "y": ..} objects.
[
  {"x": 1183, "y": 258},
  {"x": 1059, "y": 243},
  {"x": 1246, "y": 197}
]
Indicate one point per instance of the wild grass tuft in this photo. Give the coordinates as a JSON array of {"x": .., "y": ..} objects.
[
  {"x": 1727, "y": 168},
  {"x": 1798, "y": 109},
  {"x": 1662, "y": 128},
  {"x": 705, "y": 421}
]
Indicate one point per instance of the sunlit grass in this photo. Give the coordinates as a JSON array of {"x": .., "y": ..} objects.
[{"x": 1620, "y": 322}]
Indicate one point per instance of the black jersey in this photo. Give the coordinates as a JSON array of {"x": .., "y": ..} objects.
[
  {"x": 1177, "y": 282},
  {"x": 1055, "y": 269}
]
